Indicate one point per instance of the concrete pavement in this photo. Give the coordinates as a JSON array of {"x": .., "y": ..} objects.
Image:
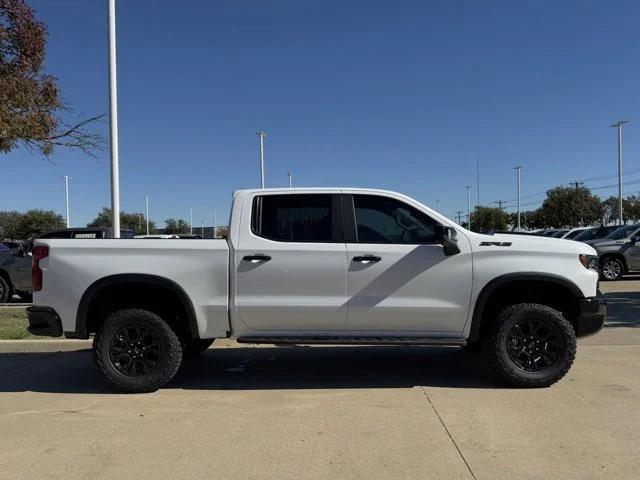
[{"x": 329, "y": 412}]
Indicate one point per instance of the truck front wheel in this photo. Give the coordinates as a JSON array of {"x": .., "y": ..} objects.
[
  {"x": 136, "y": 351},
  {"x": 531, "y": 345}
]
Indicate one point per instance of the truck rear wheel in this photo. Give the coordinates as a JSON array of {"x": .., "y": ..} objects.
[
  {"x": 531, "y": 345},
  {"x": 136, "y": 351}
]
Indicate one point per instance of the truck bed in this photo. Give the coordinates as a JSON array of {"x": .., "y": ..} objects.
[{"x": 199, "y": 267}]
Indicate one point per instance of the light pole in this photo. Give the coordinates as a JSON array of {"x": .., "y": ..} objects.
[
  {"x": 468, "y": 207},
  {"x": 517, "y": 169},
  {"x": 202, "y": 228},
  {"x": 261, "y": 136},
  {"x": 215, "y": 221},
  {"x": 190, "y": 220},
  {"x": 290, "y": 175},
  {"x": 618, "y": 125},
  {"x": 146, "y": 202},
  {"x": 438, "y": 206},
  {"x": 66, "y": 198},
  {"x": 113, "y": 123}
]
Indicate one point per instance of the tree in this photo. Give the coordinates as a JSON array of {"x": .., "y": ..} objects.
[
  {"x": 9, "y": 225},
  {"x": 486, "y": 219},
  {"x": 20, "y": 226},
  {"x": 130, "y": 221},
  {"x": 176, "y": 226},
  {"x": 630, "y": 209},
  {"x": 30, "y": 105},
  {"x": 567, "y": 207}
]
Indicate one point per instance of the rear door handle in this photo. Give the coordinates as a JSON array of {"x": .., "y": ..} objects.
[
  {"x": 256, "y": 258},
  {"x": 367, "y": 259}
]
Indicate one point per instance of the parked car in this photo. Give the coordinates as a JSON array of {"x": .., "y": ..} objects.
[
  {"x": 594, "y": 234},
  {"x": 619, "y": 252},
  {"x": 15, "y": 274},
  {"x": 574, "y": 232},
  {"x": 549, "y": 233},
  {"x": 559, "y": 233},
  {"x": 321, "y": 266},
  {"x": 87, "y": 232}
]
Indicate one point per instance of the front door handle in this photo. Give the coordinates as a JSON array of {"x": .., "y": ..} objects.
[
  {"x": 256, "y": 258},
  {"x": 367, "y": 259}
]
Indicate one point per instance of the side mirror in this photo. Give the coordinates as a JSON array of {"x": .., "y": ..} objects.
[
  {"x": 448, "y": 238},
  {"x": 635, "y": 239}
]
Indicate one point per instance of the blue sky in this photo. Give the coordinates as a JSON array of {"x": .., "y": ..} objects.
[{"x": 401, "y": 95}]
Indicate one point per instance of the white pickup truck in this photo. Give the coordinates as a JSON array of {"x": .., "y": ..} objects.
[{"x": 320, "y": 266}]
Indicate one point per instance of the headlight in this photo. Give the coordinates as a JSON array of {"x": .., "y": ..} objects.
[{"x": 589, "y": 261}]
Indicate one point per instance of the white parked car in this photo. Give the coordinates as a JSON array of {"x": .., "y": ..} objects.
[{"x": 320, "y": 266}]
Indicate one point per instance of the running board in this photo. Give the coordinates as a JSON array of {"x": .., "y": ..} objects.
[{"x": 369, "y": 340}]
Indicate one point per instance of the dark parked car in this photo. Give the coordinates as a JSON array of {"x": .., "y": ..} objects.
[{"x": 594, "y": 234}]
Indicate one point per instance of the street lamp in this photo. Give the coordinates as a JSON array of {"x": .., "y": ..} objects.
[
  {"x": 146, "y": 201},
  {"x": 66, "y": 198},
  {"x": 468, "y": 207},
  {"x": 261, "y": 136},
  {"x": 113, "y": 123},
  {"x": 517, "y": 169},
  {"x": 618, "y": 125}
]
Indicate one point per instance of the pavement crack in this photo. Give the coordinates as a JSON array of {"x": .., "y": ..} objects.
[{"x": 448, "y": 432}]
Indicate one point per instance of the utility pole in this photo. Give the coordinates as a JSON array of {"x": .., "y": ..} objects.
[
  {"x": 438, "y": 206},
  {"x": 459, "y": 216},
  {"x": 578, "y": 185},
  {"x": 146, "y": 204},
  {"x": 478, "y": 179},
  {"x": 202, "y": 228},
  {"x": 190, "y": 220},
  {"x": 215, "y": 221},
  {"x": 261, "y": 136},
  {"x": 500, "y": 203},
  {"x": 468, "y": 207},
  {"x": 517, "y": 169},
  {"x": 618, "y": 125},
  {"x": 290, "y": 175},
  {"x": 113, "y": 123},
  {"x": 66, "y": 198}
]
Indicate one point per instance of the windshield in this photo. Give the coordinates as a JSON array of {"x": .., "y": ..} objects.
[
  {"x": 573, "y": 234},
  {"x": 585, "y": 234},
  {"x": 622, "y": 232},
  {"x": 559, "y": 233}
]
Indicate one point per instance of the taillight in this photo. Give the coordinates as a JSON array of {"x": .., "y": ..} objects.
[{"x": 38, "y": 253}]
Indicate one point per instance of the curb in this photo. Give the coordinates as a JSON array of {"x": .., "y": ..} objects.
[{"x": 43, "y": 346}]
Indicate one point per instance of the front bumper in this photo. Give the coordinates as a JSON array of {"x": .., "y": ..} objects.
[
  {"x": 44, "y": 321},
  {"x": 593, "y": 312}
]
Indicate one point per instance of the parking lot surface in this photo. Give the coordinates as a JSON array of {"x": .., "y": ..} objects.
[{"x": 331, "y": 412}]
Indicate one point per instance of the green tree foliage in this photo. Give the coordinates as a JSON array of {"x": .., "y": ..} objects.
[
  {"x": 30, "y": 104},
  {"x": 630, "y": 209},
  {"x": 567, "y": 207},
  {"x": 130, "y": 221},
  {"x": 20, "y": 226},
  {"x": 485, "y": 219},
  {"x": 176, "y": 226}
]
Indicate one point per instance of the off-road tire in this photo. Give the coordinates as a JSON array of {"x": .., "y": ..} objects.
[
  {"x": 495, "y": 345},
  {"x": 5, "y": 291},
  {"x": 169, "y": 354},
  {"x": 192, "y": 348}
]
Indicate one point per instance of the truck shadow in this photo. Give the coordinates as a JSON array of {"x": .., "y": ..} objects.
[
  {"x": 266, "y": 368},
  {"x": 623, "y": 310}
]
